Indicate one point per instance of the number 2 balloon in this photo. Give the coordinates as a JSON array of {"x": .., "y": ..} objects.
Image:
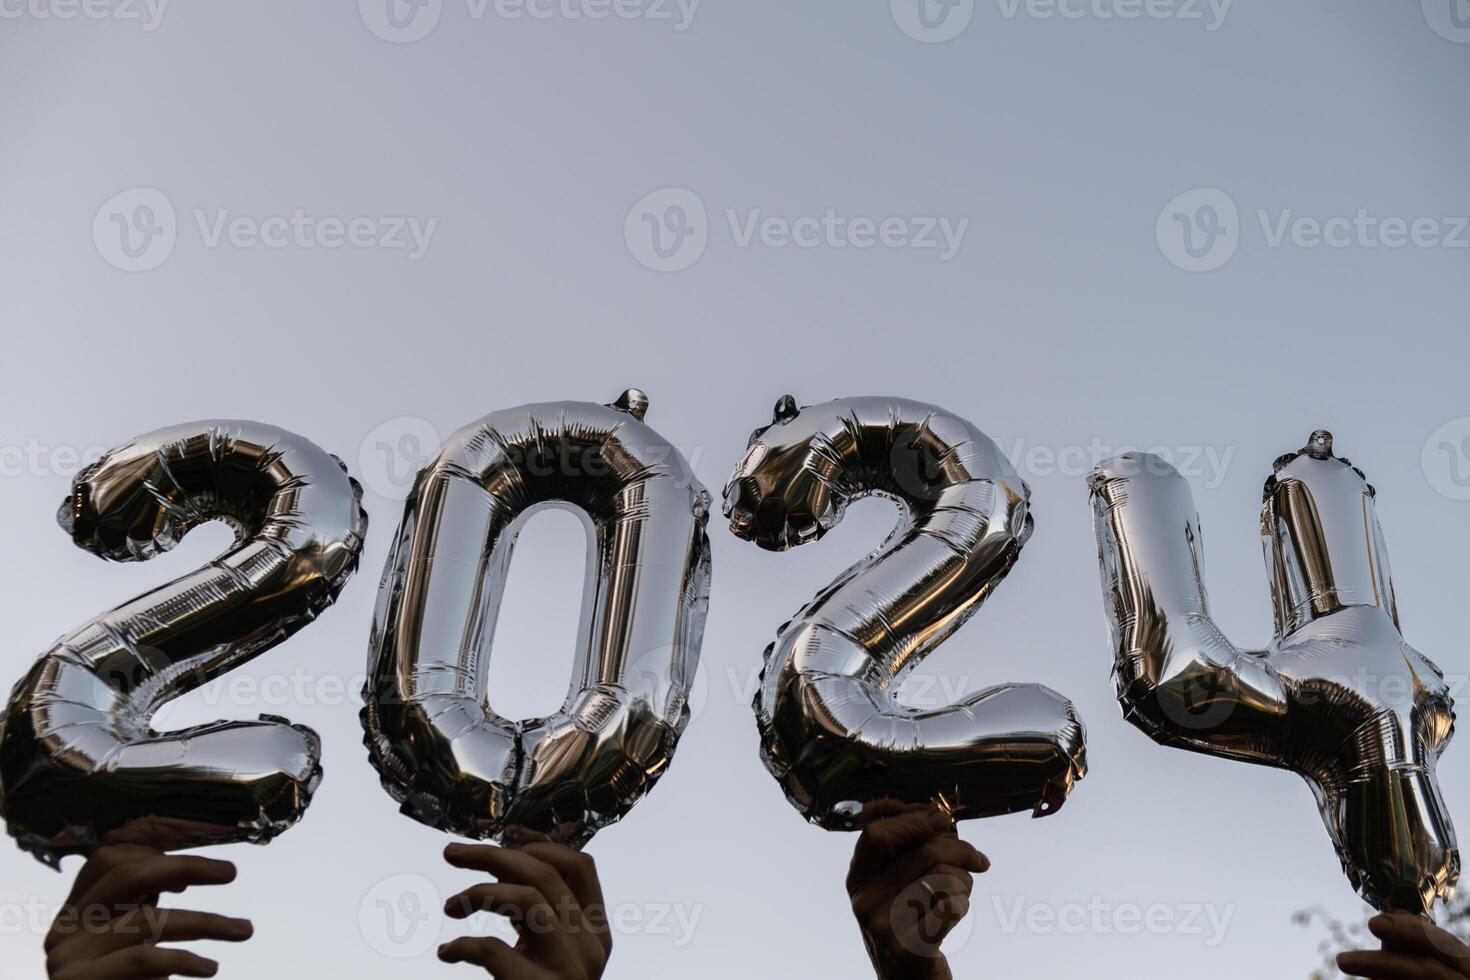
[
  {"x": 832, "y": 731},
  {"x": 78, "y": 757},
  {"x": 1337, "y": 697}
]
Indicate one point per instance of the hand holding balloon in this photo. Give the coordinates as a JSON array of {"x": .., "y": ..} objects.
[
  {"x": 1412, "y": 949},
  {"x": 552, "y": 896},
  {"x": 111, "y": 926},
  {"x": 910, "y": 883}
]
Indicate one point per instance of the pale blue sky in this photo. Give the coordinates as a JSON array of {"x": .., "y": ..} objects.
[{"x": 1060, "y": 321}]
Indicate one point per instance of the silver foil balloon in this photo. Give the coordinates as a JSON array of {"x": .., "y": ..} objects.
[
  {"x": 831, "y": 729},
  {"x": 1337, "y": 697},
  {"x": 78, "y": 758},
  {"x": 440, "y": 747}
]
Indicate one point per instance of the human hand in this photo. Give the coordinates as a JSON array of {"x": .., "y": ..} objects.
[
  {"x": 1413, "y": 949},
  {"x": 552, "y": 897},
  {"x": 910, "y": 883},
  {"x": 111, "y": 926}
]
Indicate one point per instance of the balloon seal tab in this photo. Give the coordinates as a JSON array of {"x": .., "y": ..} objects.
[
  {"x": 634, "y": 401},
  {"x": 1319, "y": 445}
]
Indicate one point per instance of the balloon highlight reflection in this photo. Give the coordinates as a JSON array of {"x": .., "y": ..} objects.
[
  {"x": 1338, "y": 697},
  {"x": 78, "y": 758},
  {"x": 442, "y": 750},
  {"x": 832, "y": 732}
]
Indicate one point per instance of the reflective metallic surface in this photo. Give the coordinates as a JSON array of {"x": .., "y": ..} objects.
[
  {"x": 78, "y": 758},
  {"x": 831, "y": 730},
  {"x": 1338, "y": 697},
  {"x": 440, "y": 747}
]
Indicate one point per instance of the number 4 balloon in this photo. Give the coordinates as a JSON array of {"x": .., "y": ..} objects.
[{"x": 1337, "y": 697}]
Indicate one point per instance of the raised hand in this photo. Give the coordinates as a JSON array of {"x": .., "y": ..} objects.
[
  {"x": 1339, "y": 697},
  {"x": 552, "y": 897},
  {"x": 112, "y": 928},
  {"x": 910, "y": 883},
  {"x": 1413, "y": 949}
]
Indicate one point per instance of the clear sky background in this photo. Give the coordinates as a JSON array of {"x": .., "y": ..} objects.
[{"x": 1067, "y": 149}]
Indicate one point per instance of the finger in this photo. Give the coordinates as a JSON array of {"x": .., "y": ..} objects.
[
  {"x": 149, "y": 925},
  {"x": 948, "y": 892},
  {"x": 166, "y": 833},
  {"x": 494, "y": 955},
  {"x": 1404, "y": 932},
  {"x": 887, "y": 806},
  {"x": 948, "y": 879},
  {"x": 103, "y": 860},
  {"x": 150, "y": 961},
  {"x": 576, "y": 868},
  {"x": 180, "y": 926},
  {"x": 518, "y": 867},
  {"x": 885, "y": 838},
  {"x": 517, "y": 835},
  {"x": 502, "y": 898},
  {"x": 1393, "y": 966},
  {"x": 134, "y": 881},
  {"x": 924, "y": 859},
  {"x": 952, "y": 907}
]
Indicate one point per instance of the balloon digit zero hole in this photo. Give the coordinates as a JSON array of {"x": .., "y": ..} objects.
[
  {"x": 1337, "y": 697},
  {"x": 440, "y": 747},
  {"x": 78, "y": 757},
  {"x": 831, "y": 729}
]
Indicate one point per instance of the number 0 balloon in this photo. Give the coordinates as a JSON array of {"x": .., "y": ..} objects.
[
  {"x": 1338, "y": 696},
  {"x": 831, "y": 730},
  {"x": 440, "y": 747},
  {"x": 78, "y": 757}
]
